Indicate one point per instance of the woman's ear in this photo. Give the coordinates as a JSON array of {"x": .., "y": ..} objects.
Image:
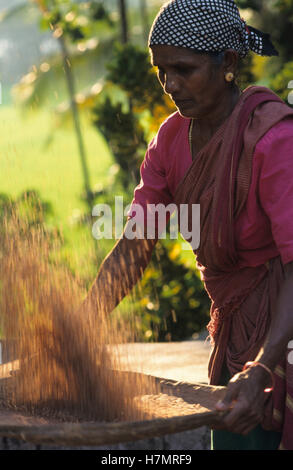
[{"x": 230, "y": 62}]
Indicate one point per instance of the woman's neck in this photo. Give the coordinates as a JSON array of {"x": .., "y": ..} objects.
[{"x": 208, "y": 125}]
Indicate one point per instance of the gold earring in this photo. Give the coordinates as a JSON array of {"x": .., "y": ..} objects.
[{"x": 229, "y": 76}]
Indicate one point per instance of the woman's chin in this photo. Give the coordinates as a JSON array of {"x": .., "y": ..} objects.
[
  {"x": 187, "y": 111},
  {"x": 188, "y": 114}
]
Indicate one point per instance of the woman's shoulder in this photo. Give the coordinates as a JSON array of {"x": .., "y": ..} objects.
[
  {"x": 279, "y": 132},
  {"x": 274, "y": 151},
  {"x": 172, "y": 125}
]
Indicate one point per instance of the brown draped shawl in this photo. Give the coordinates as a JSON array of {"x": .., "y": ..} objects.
[{"x": 242, "y": 299}]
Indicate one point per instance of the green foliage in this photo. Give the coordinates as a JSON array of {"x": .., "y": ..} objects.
[
  {"x": 280, "y": 83},
  {"x": 252, "y": 4},
  {"x": 285, "y": 6},
  {"x": 245, "y": 73},
  {"x": 75, "y": 20},
  {"x": 283, "y": 27},
  {"x": 175, "y": 301},
  {"x": 85, "y": 30},
  {"x": 121, "y": 122},
  {"x": 131, "y": 70},
  {"x": 125, "y": 137},
  {"x": 276, "y": 18},
  {"x": 98, "y": 12}
]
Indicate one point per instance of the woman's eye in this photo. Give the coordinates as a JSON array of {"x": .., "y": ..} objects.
[{"x": 183, "y": 70}]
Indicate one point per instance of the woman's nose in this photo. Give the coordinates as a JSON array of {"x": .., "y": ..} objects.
[{"x": 171, "y": 84}]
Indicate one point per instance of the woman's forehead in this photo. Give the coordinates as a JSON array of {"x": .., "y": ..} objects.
[{"x": 171, "y": 55}]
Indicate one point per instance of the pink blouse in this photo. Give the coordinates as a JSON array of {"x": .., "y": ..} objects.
[{"x": 264, "y": 228}]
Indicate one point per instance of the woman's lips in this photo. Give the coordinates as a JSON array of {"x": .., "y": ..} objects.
[{"x": 181, "y": 103}]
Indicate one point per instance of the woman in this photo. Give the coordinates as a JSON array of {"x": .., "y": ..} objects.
[{"x": 230, "y": 152}]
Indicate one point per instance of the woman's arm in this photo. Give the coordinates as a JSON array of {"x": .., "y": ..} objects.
[
  {"x": 118, "y": 274},
  {"x": 245, "y": 394},
  {"x": 281, "y": 331}
]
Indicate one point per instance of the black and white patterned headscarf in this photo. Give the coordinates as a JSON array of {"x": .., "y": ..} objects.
[{"x": 207, "y": 26}]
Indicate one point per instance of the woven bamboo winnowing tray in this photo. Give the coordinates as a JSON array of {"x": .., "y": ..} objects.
[{"x": 178, "y": 407}]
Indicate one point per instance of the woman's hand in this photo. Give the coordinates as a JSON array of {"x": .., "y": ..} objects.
[
  {"x": 245, "y": 398},
  {"x": 244, "y": 401}
]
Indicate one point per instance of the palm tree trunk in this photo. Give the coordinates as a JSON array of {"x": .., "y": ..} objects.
[
  {"x": 124, "y": 21},
  {"x": 76, "y": 120},
  {"x": 144, "y": 19}
]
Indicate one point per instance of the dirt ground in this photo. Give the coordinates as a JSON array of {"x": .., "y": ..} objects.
[{"x": 183, "y": 361}]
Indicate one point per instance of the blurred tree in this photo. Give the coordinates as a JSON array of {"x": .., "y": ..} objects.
[
  {"x": 125, "y": 136},
  {"x": 276, "y": 18},
  {"x": 66, "y": 19},
  {"x": 171, "y": 296},
  {"x": 124, "y": 123},
  {"x": 283, "y": 27},
  {"x": 246, "y": 74},
  {"x": 282, "y": 83},
  {"x": 253, "y": 4},
  {"x": 72, "y": 24}
]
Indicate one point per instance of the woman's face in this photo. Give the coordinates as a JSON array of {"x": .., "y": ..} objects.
[{"x": 194, "y": 83}]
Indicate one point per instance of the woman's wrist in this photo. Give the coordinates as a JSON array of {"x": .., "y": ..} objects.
[{"x": 261, "y": 373}]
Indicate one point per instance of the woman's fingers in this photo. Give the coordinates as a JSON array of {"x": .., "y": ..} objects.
[
  {"x": 229, "y": 399},
  {"x": 243, "y": 403},
  {"x": 240, "y": 417}
]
